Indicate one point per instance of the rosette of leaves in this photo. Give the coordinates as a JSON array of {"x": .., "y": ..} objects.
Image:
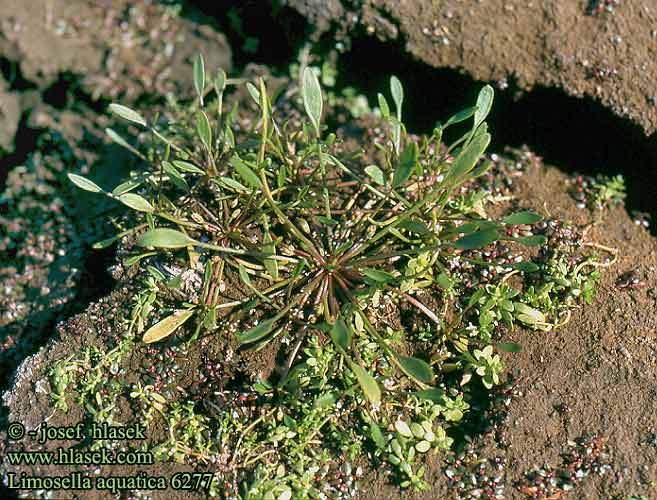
[{"x": 311, "y": 237}]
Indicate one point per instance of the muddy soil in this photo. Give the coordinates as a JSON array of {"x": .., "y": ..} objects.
[{"x": 577, "y": 46}]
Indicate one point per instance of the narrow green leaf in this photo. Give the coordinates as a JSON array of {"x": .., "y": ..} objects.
[
  {"x": 254, "y": 92},
  {"x": 127, "y": 114},
  {"x": 397, "y": 92},
  {"x": 312, "y": 97},
  {"x": 376, "y": 174},
  {"x": 233, "y": 184},
  {"x": 367, "y": 383},
  {"x": 377, "y": 435},
  {"x": 130, "y": 261},
  {"x": 167, "y": 326},
  {"x": 165, "y": 238},
  {"x": 136, "y": 202},
  {"x": 244, "y": 276},
  {"x": 416, "y": 369},
  {"x": 204, "y": 129},
  {"x": 99, "y": 245},
  {"x": 256, "y": 333},
  {"x": 383, "y": 106},
  {"x": 522, "y": 218},
  {"x": 187, "y": 167},
  {"x": 220, "y": 82},
  {"x": 127, "y": 186},
  {"x": 199, "y": 76},
  {"x": 116, "y": 138},
  {"x": 245, "y": 172},
  {"x": 535, "y": 240},
  {"x": 378, "y": 275},
  {"x": 341, "y": 334},
  {"x": 477, "y": 239},
  {"x": 484, "y": 105},
  {"x": 84, "y": 183},
  {"x": 175, "y": 176},
  {"x": 461, "y": 116},
  {"x": 406, "y": 165},
  {"x": 467, "y": 159}
]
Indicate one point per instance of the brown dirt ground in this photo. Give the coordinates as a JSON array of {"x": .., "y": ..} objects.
[{"x": 611, "y": 56}]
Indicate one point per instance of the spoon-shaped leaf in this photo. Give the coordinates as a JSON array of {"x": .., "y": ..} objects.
[
  {"x": 127, "y": 114},
  {"x": 478, "y": 239},
  {"x": 165, "y": 238},
  {"x": 84, "y": 183},
  {"x": 397, "y": 92},
  {"x": 467, "y": 159},
  {"x": 312, "y": 97},
  {"x": 167, "y": 326},
  {"x": 341, "y": 334},
  {"x": 407, "y": 162},
  {"x": 484, "y": 105},
  {"x": 416, "y": 369},
  {"x": 522, "y": 218},
  {"x": 199, "y": 76},
  {"x": 136, "y": 202},
  {"x": 536, "y": 240},
  {"x": 204, "y": 129}
]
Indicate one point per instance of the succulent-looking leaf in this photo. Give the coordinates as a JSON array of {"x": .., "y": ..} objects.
[
  {"x": 376, "y": 174},
  {"x": 136, "y": 202},
  {"x": 528, "y": 315},
  {"x": 397, "y": 92},
  {"x": 204, "y": 129},
  {"x": 167, "y": 326},
  {"x": 341, "y": 334},
  {"x": 484, "y": 104},
  {"x": 367, "y": 383},
  {"x": 199, "y": 76},
  {"x": 423, "y": 446},
  {"x": 84, "y": 183},
  {"x": 406, "y": 165},
  {"x": 245, "y": 172},
  {"x": 258, "y": 332},
  {"x": 127, "y": 114},
  {"x": 416, "y": 369},
  {"x": 478, "y": 239},
  {"x": 377, "y": 435},
  {"x": 522, "y": 218},
  {"x": 509, "y": 347},
  {"x": 403, "y": 429},
  {"x": 165, "y": 238},
  {"x": 467, "y": 159},
  {"x": 312, "y": 97},
  {"x": 233, "y": 184}
]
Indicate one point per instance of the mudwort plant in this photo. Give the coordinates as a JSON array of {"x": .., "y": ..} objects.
[{"x": 376, "y": 273}]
